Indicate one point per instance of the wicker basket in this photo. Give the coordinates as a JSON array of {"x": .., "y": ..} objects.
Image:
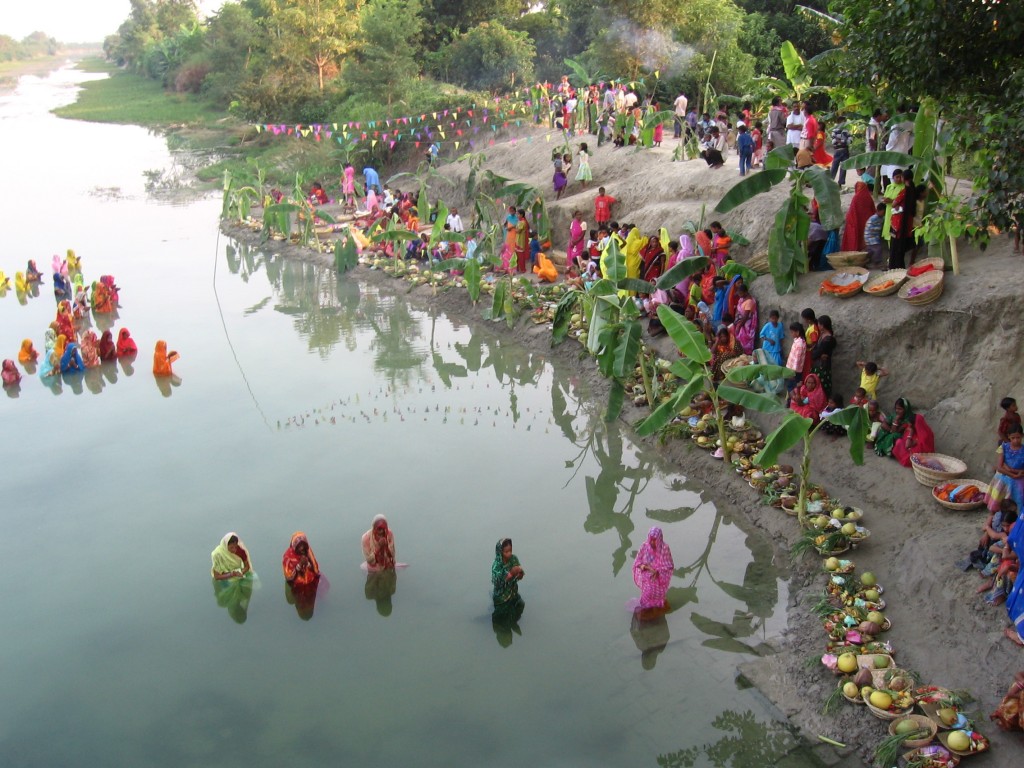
[
  {"x": 961, "y": 507},
  {"x": 867, "y": 661},
  {"x": 884, "y": 714},
  {"x": 944, "y": 738},
  {"x": 898, "y": 276},
  {"x": 841, "y": 259},
  {"x": 845, "y": 276},
  {"x": 923, "y": 723},
  {"x": 935, "y": 753},
  {"x": 932, "y": 477},
  {"x": 933, "y": 278},
  {"x": 759, "y": 263},
  {"x": 937, "y": 263}
]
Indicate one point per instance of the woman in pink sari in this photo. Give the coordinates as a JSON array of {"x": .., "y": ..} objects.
[
  {"x": 916, "y": 439},
  {"x": 809, "y": 399},
  {"x": 652, "y": 571},
  {"x": 745, "y": 321},
  {"x": 577, "y": 241}
]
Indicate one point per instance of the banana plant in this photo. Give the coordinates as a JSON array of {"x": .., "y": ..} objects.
[
  {"x": 238, "y": 198},
  {"x": 694, "y": 368},
  {"x": 787, "y": 241},
  {"x": 798, "y": 430},
  {"x": 648, "y": 123}
]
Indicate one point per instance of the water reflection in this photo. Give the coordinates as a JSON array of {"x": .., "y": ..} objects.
[
  {"x": 303, "y": 598},
  {"x": 505, "y": 620},
  {"x": 167, "y": 384},
  {"x": 381, "y": 587},
  {"x": 747, "y": 741},
  {"x": 233, "y": 595},
  {"x": 650, "y": 635}
]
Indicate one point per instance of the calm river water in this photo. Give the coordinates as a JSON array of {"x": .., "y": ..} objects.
[{"x": 313, "y": 403}]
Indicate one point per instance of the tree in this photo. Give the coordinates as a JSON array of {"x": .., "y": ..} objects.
[
  {"x": 172, "y": 15},
  {"x": 234, "y": 48},
  {"x": 317, "y": 33},
  {"x": 489, "y": 56},
  {"x": 449, "y": 18},
  {"x": 387, "y": 59}
]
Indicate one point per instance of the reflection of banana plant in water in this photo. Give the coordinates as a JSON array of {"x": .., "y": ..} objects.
[
  {"x": 396, "y": 331},
  {"x": 759, "y": 592},
  {"x": 747, "y": 741},
  {"x": 324, "y": 308}
]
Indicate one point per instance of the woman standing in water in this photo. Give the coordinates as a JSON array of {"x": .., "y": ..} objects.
[
  {"x": 652, "y": 571},
  {"x": 230, "y": 558},
  {"x": 506, "y": 573},
  {"x": 379, "y": 546}
]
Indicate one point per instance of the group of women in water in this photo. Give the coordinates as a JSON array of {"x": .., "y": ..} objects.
[
  {"x": 233, "y": 574},
  {"x": 68, "y": 348}
]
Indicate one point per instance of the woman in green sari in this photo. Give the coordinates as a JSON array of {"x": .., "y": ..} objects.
[
  {"x": 506, "y": 573},
  {"x": 893, "y": 427},
  {"x": 232, "y": 576}
]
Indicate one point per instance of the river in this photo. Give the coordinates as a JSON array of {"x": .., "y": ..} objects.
[{"x": 304, "y": 401}]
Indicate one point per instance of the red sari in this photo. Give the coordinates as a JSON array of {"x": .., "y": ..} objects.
[
  {"x": 816, "y": 399},
  {"x": 652, "y": 258},
  {"x": 862, "y": 208},
  {"x": 300, "y": 570},
  {"x": 916, "y": 439}
]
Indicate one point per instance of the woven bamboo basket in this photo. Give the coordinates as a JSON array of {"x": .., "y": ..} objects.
[
  {"x": 935, "y": 262},
  {"x": 932, "y": 477},
  {"x": 898, "y": 276},
  {"x": 846, "y": 276},
  {"x": 921, "y": 722},
  {"x": 935, "y": 754},
  {"x": 932, "y": 278},
  {"x": 841, "y": 259},
  {"x": 965, "y": 506},
  {"x": 759, "y": 263},
  {"x": 884, "y": 714}
]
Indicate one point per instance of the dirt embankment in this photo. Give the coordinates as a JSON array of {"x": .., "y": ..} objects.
[{"x": 953, "y": 359}]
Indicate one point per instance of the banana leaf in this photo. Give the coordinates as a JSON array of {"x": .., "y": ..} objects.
[
  {"x": 345, "y": 255},
  {"x": 780, "y": 158},
  {"x": 563, "y": 315},
  {"x": 615, "y": 398},
  {"x": 628, "y": 349},
  {"x": 498, "y": 300},
  {"x": 732, "y": 268},
  {"x": 472, "y": 275},
  {"x": 681, "y": 271},
  {"x": 791, "y": 431},
  {"x": 637, "y": 286},
  {"x": 450, "y": 264},
  {"x": 685, "y": 335},
  {"x": 855, "y": 419},
  {"x": 796, "y": 70},
  {"x": 826, "y": 192},
  {"x": 869, "y": 159},
  {"x": 613, "y": 262},
  {"x": 749, "y": 188},
  {"x": 748, "y": 399},
  {"x": 751, "y": 372},
  {"x": 667, "y": 411}
]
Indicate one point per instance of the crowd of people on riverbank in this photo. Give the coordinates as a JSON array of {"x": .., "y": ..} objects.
[{"x": 71, "y": 346}]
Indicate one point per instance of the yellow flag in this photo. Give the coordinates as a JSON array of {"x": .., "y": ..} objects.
[{"x": 373, "y": 143}]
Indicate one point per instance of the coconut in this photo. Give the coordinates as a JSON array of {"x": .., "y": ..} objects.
[
  {"x": 869, "y": 628},
  {"x": 898, "y": 683},
  {"x": 876, "y": 617},
  {"x": 863, "y": 677},
  {"x": 947, "y": 715}
]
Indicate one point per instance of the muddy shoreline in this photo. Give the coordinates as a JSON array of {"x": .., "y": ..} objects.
[{"x": 941, "y": 629}]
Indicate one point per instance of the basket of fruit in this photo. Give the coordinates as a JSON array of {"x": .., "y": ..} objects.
[
  {"x": 889, "y": 705},
  {"x": 918, "y": 729},
  {"x": 964, "y": 743},
  {"x": 929, "y": 757},
  {"x": 961, "y": 495}
]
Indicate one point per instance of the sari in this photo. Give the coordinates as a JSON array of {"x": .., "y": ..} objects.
[
  {"x": 90, "y": 349},
  {"x": 300, "y": 570},
  {"x": 577, "y": 241},
  {"x": 115, "y": 295},
  {"x": 9, "y": 374},
  {"x": 916, "y": 439},
  {"x": 886, "y": 440},
  {"x": 634, "y": 242},
  {"x": 772, "y": 336},
  {"x": 652, "y": 570},
  {"x": 107, "y": 348},
  {"x": 746, "y": 324},
  {"x": 32, "y": 274},
  {"x": 60, "y": 286},
  {"x": 862, "y": 208},
  {"x": 66, "y": 321},
  {"x": 27, "y": 353},
  {"x": 101, "y": 301},
  {"x": 162, "y": 359},
  {"x": 703, "y": 243},
  {"x": 379, "y": 551},
  {"x": 821, "y": 157},
  {"x": 1004, "y": 486},
  {"x": 71, "y": 360},
  {"x": 1015, "y": 600},
  {"x": 1009, "y": 715},
  {"x": 816, "y": 399},
  {"x": 125, "y": 343},
  {"x": 652, "y": 257},
  {"x": 545, "y": 269},
  {"x": 503, "y": 589},
  {"x": 720, "y": 353},
  {"x": 225, "y": 561}
]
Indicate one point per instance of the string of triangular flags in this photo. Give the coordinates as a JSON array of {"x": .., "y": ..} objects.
[{"x": 456, "y": 126}]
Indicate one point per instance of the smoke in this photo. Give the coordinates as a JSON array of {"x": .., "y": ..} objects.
[{"x": 653, "y": 49}]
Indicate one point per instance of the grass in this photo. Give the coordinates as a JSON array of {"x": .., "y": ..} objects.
[{"x": 128, "y": 98}]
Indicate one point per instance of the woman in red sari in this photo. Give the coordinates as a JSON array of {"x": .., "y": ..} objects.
[
  {"x": 918, "y": 438},
  {"x": 299, "y": 563},
  {"x": 809, "y": 399},
  {"x": 125, "y": 343},
  {"x": 652, "y": 259},
  {"x": 862, "y": 208}
]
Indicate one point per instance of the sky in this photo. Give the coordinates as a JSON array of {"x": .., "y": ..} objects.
[{"x": 70, "y": 21}]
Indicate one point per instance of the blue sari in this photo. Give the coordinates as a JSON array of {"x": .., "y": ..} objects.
[
  {"x": 1004, "y": 486},
  {"x": 771, "y": 342},
  {"x": 1015, "y": 600}
]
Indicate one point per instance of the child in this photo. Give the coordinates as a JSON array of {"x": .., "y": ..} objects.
[
  {"x": 834, "y": 405},
  {"x": 874, "y": 420},
  {"x": 318, "y": 195},
  {"x": 746, "y": 144},
  {"x": 592, "y": 251},
  {"x": 1010, "y": 417},
  {"x": 772, "y": 335},
  {"x": 603, "y": 207},
  {"x": 797, "y": 353},
  {"x": 860, "y": 397},
  {"x": 869, "y": 375},
  {"x": 534, "y": 248},
  {"x": 866, "y": 177},
  {"x": 758, "y": 135},
  {"x": 873, "y": 236}
]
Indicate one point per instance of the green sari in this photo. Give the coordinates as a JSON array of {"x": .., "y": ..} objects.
[
  {"x": 886, "y": 440},
  {"x": 504, "y": 590}
]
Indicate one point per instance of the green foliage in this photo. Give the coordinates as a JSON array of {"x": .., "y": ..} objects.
[
  {"x": 489, "y": 57},
  {"x": 387, "y": 58}
]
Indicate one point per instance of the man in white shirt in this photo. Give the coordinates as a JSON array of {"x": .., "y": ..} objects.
[
  {"x": 680, "y": 112},
  {"x": 794, "y": 125},
  {"x": 454, "y": 221}
]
